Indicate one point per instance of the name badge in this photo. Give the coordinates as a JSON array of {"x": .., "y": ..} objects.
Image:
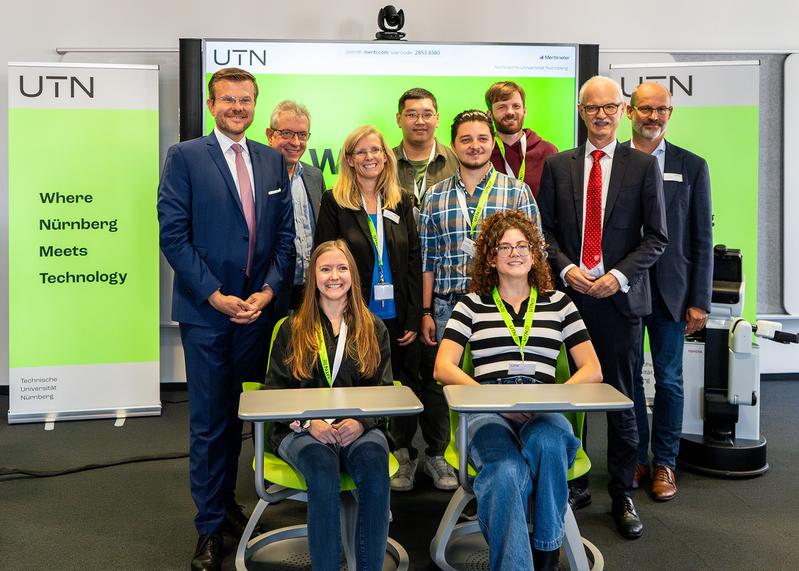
[
  {"x": 675, "y": 176},
  {"x": 468, "y": 246},
  {"x": 384, "y": 292},
  {"x": 393, "y": 216},
  {"x": 521, "y": 368}
]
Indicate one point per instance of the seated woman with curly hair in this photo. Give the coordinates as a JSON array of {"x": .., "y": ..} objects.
[{"x": 515, "y": 322}]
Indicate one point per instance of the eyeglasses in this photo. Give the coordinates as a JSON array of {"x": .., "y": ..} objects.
[
  {"x": 647, "y": 110},
  {"x": 288, "y": 134},
  {"x": 414, "y": 116},
  {"x": 506, "y": 250},
  {"x": 608, "y": 108},
  {"x": 362, "y": 153},
  {"x": 245, "y": 101}
]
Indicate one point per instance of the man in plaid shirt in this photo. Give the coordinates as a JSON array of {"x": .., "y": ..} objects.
[{"x": 451, "y": 214}]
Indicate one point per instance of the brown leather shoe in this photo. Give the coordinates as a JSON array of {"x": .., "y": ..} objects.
[
  {"x": 663, "y": 486},
  {"x": 641, "y": 473}
]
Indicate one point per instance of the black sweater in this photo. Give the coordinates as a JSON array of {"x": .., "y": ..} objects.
[{"x": 279, "y": 376}]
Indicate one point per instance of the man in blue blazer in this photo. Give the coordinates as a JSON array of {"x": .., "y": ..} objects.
[
  {"x": 225, "y": 212},
  {"x": 604, "y": 222},
  {"x": 680, "y": 282}
]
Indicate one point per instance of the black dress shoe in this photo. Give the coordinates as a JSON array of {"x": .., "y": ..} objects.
[
  {"x": 627, "y": 521},
  {"x": 208, "y": 555},
  {"x": 579, "y": 497},
  {"x": 235, "y": 521},
  {"x": 546, "y": 560}
]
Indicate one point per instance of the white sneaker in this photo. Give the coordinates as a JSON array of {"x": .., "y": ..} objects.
[
  {"x": 442, "y": 473},
  {"x": 402, "y": 481}
]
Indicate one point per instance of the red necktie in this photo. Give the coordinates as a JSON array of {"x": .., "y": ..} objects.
[
  {"x": 592, "y": 231},
  {"x": 247, "y": 204}
]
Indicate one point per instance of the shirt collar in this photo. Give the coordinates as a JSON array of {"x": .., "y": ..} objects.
[
  {"x": 608, "y": 150},
  {"x": 226, "y": 142},
  {"x": 481, "y": 184},
  {"x": 659, "y": 150},
  {"x": 297, "y": 171}
]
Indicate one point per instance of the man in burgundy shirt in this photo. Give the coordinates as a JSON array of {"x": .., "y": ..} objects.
[{"x": 518, "y": 152}]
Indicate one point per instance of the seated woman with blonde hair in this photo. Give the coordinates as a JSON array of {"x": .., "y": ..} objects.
[
  {"x": 515, "y": 322},
  {"x": 333, "y": 340}
]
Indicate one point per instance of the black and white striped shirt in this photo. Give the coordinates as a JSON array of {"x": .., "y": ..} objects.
[{"x": 477, "y": 321}]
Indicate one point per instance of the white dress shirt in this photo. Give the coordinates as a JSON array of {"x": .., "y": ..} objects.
[
  {"x": 226, "y": 143},
  {"x": 605, "y": 164}
]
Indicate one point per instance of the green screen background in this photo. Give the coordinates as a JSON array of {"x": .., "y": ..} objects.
[
  {"x": 340, "y": 103},
  {"x": 113, "y": 155}
]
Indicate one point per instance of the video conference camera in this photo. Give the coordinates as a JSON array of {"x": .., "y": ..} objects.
[{"x": 390, "y": 21}]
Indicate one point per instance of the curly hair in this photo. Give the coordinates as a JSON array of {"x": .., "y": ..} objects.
[{"x": 484, "y": 274}]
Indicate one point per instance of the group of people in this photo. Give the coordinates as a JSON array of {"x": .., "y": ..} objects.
[{"x": 497, "y": 244}]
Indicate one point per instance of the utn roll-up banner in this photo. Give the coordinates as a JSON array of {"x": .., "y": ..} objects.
[
  {"x": 716, "y": 116},
  {"x": 83, "y": 241}
]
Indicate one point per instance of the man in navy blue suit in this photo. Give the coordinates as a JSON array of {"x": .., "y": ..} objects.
[
  {"x": 680, "y": 282},
  {"x": 225, "y": 211}
]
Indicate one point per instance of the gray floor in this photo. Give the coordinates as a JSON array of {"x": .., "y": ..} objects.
[{"x": 139, "y": 516}]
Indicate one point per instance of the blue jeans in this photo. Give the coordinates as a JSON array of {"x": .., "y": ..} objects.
[
  {"x": 666, "y": 341},
  {"x": 513, "y": 462},
  {"x": 366, "y": 460},
  {"x": 442, "y": 311}
]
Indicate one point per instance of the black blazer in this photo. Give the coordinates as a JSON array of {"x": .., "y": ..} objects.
[
  {"x": 279, "y": 376},
  {"x": 633, "y": 228},
  {"x": 684, "y": 273},
  {"x": 402, "y": 242}
]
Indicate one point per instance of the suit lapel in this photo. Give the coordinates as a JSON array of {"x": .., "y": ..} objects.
[
  {"x": 258, "y": 189},
  {"x": 307, "y": 184},
  {"x": 577, "y": 167},
  {"x": 361, "y": 217},
  {"x": 620, "y": 159},
  {"x": 673, "y": 164},
  {"x": 216, "y": 155}
]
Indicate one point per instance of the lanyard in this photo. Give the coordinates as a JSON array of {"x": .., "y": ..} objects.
[
  {"x": 417, "y": 191},
  {"x": 377, "y": 233},
  {"x": 528, "y": 318},
  {"x": 342, "y": 341},
  {"x": 480, "y": 204},
  {"x": 523, "y": 167}
]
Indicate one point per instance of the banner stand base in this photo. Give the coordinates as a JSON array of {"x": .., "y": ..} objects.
[{"x": 113, "y": 413}]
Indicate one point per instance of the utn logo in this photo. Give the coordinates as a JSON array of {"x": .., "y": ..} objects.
[
  {"x": 59, "y": 85},
  {"x": 239, "y": 57},
  {"x": 668, "y": 81}
]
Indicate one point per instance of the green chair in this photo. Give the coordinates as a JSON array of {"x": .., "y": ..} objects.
[
  {"x": 449, "y": 530},
  {"x": 287, "y": 483}
]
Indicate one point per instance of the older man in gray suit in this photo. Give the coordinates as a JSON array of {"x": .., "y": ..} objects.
[{"x": 288, "y": 132}]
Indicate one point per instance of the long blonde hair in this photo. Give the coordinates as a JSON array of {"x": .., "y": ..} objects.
[
  {"x": 346, "y": 190},
  {"x": 362, "y": 344}
]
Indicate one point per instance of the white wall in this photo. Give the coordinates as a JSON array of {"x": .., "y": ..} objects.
[{"x": 32, "y": 32}]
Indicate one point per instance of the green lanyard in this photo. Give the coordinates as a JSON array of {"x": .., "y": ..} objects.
[
  {"x": 377, "y": 235},
  {"x": 523, "y": 168},
  {"x": 480, "y": 203},
  {"x": 330, "y": 375},
  {"x": 528, "y": 318}
]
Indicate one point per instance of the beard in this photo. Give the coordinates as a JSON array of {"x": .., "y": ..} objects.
[
  {"x": 650, "y": 131},
  {"x": 509, "y": 127}
]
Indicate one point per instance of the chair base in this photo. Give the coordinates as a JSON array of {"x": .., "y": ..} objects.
[
  {"x": 287, "y": 547},
  {"x": 461, "y": 546}
]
